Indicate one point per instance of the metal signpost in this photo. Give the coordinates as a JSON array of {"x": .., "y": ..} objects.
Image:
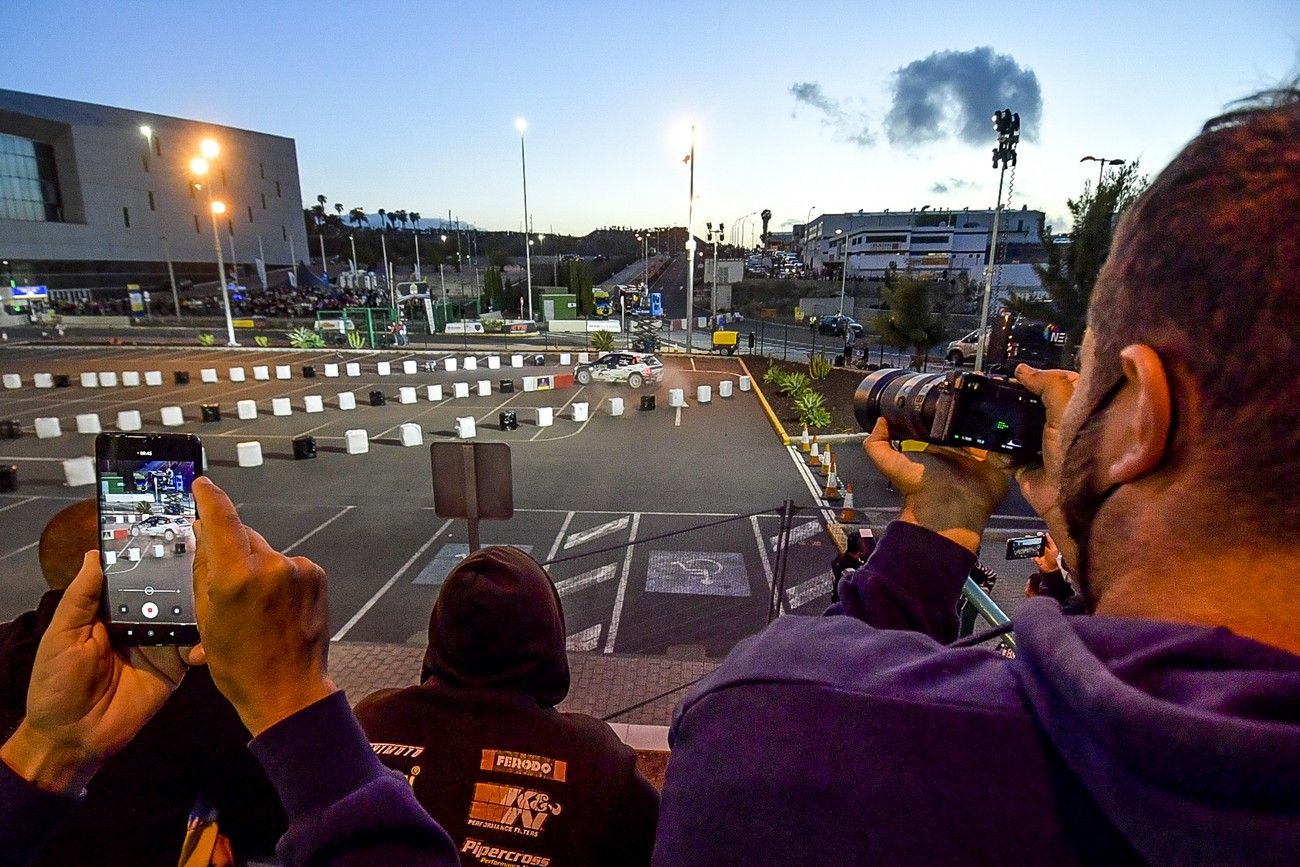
[{"x": 472, "y": 481}]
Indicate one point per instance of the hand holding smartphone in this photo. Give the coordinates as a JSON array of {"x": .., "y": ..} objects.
[{"x": 146, "y": 536}]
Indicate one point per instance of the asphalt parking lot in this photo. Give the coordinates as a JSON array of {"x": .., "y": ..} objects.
[{"x": 612, "y": 499}]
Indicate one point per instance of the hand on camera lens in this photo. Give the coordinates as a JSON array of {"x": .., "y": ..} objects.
[
  {"x": 951, "y": 491},
  {"x": 86, "y": 700},
  {"x": 263, "y": 617},
  {"x": 1041, "y": 483}
]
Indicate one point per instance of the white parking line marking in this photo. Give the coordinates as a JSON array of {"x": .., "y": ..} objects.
[
  {"x": 799, "y": 533},
  {"x": 17, "y": 551},
  {"x": 294, "y": 544},
  {"x": 347, "y": 627},
  {"x": 595, "y": 532},
  {"x": 805, "y": 592},
  {"x": 622, "y": 585},
  {"x": 559, "y": 537},
  {"x": 585, "y": 640},
  {"x": 17, "y": 504},
  {"x": 587, "y": 579},
  {"x": 762, "y": 552}
]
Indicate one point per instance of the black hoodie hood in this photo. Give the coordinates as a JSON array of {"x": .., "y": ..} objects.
[{"x": 498, "y": 623}]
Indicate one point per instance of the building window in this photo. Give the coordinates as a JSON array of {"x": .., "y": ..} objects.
[
  {"x": 250, "y": 213},
  {"x": 152, "y": 205},
  {"x": 144, "y": 158},
  {"x": 230, "y": 227},
  {"x": 223, "y": 179},
  {"x": 261, "y": 170},
  {"x": 29, "y": 181},
  {"x": 197, "y": 230},
  {"x": 277, "y": 189},
  {"x": 284, "y": 233},
  {"x": 157, "y": 145},
  {"x": 263, "y": 201},
  {"x": 192, "y": 189},
  {"x": 126, "y": 217}
]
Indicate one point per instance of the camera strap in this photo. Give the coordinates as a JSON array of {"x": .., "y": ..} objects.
[{"x": 986, "y": 635}]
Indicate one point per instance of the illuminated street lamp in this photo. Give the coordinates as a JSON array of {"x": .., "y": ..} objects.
[
  {"x": 522, "y": 125},
  {"x": 1101, "y": 162},
  {"x": 209, "y": 148}
]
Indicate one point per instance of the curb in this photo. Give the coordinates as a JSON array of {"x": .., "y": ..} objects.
[{"x": 767, "y": 407}]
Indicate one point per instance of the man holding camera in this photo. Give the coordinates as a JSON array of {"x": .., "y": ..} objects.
[{"x": 1162, "y": 726}]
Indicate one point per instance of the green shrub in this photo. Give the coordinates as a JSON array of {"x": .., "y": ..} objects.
[
  {"x": 207, "y": 340},
  {"x": 811, "y": 409},
  {"x": 773, "y": 375},
  {"x": 357, "y": 340},
  {"x": 602, "y": 341},
  {"x": 818, "y": 419},
  {"x": 819, "y": 367},
  {"x": 493, "y": 326},
  {"x": 792, "y": 384},
  {"x": 306, "y": 338},
  {"x": 262, "y": 340}
]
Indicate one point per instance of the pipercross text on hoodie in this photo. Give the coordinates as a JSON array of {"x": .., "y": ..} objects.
[
  {"x": 511, "y": 779},
  {"x": 860, "y": 738}
]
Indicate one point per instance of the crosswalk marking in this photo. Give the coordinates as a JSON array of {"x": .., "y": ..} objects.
[
  {"x": 585, "y": 640},
  {"x": 586, "y": 579},
  {"x": 809, "y": 590},
  {"x": 803, "y": 531},
  {"x": 596, "y": 532}
]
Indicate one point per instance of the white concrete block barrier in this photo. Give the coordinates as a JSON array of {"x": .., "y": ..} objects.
[
  {"x": 516, "y": 361},
  {"x": 46, "y": 380},
  {"x": 79, "y": 471},
  {"x": 331, "y": 370},
  {"x": 347, "y": 400},
  {"x": 704, "y": 394},
  {"x": 88, "y": 423},
  {"x": 724, "y": 388},
  {"x": 108, "y": 379},
  {"x": 236, "y": 374},
  {"x": 584, "y": 357},
  {"x": 433, "y": 393},
  {"x": 88, "y": 380},
  {"x": 566, "y": 358},
  {"x": 471, "y": 363},
  {"x": 313, "y": 403},
  {"x": 616, "y": 406},
  {"x": 406, "y": 394},
  {"x": 352, "y": 368},
  {"x": 283, "y": 371},
  {"x": 449, "y": 364},
  {"x": 580, "y": 410},
  {"x": 410, "y": 434},
  {"x": 357, "y": 440},
  {"x": 384, "y": 368},
  {"x": 281, "y": 406},
  {"x": 47, "y": 427},
  {"x": 465, "y": 428},
  {"x": 261, "y": 373},
  {"x": 153, "y": 377},
  {"x": 129, "y": 419},
  {"x": 484, "y": 387},
  {"x": 530, "y": 383},
  {"x": 460, "y": 389},
  {"x": 131, "y": 378},
  {"x": 676, "y": 397},
  {"x": 172, "y": 416},
  {"x": 545, "y": 416},
  {"x": 494, "y": 362},
  {"x": 409, "y": 366},
  {"x": 13, "y": 380},
  {"x": 249, "y": 454},
  {"x": 745, "y": 384},
  {"x": 246, "y": 409},
  {"x": 206, "y": 374}
]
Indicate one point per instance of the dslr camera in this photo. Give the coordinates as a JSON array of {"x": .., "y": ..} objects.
[{"x": 958, "y": 408}]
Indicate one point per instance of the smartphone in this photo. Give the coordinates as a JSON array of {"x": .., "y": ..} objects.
[
  {"x": 146, "y": 535},
  {"x": 1024, "y": 547}
]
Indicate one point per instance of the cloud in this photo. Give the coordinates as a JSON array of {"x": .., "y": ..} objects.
[
  {"x": 846, "y": 124},
  {"x": 951, "y": 185},
  {"x": 953, "y": 94}
]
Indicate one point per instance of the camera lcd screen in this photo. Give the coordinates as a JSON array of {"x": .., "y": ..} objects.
[
  {"x": 1000, "y": 419},
  {"x": 146, "y": 529}
]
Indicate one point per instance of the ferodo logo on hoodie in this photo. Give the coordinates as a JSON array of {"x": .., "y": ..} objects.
[
  {"x": 524, "y": 764},
  {"x": 498, "y": 857},
  {"x": 512, "y": 809}
]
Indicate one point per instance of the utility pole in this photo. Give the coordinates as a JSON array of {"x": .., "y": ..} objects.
[
  {"x": 690, "y": 253},
  {"x": 1007, "y": 124}
]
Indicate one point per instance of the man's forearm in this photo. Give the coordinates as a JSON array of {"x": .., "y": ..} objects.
[{"x": 912, "y": 581}]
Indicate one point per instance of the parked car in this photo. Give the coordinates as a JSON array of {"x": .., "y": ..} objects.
[
  {"x": 962, "y": 350},
  {"x": 837, "y": 324},
  {"x": 166, "y": 526},
  {"x": 633, "y": 368}
]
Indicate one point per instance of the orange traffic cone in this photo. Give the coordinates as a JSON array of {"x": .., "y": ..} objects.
[
  {"x": 832, "y": 489},
  {"x": 815, "y": 458},
  {"x": 804, "y": 445},
  {"x": 825, "y": 467},
  {"x": 848, "y": 514}
]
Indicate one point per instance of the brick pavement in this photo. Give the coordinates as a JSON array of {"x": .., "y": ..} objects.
[{"x": 601, "y": 684}]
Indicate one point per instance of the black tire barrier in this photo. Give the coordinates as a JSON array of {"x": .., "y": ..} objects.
[
  {"x": 8, "y": 479},
  {"x": 647, "y": 402},
  {"x": 377, "y": 398},
  {"x": 506, "y": 386},
  {"x": 509, "y": 420},
  {"x": 10, "y": 429},
  {"x": 538, "y": 360},
  {"x": 181, "y": 377},
  {"x": 308, "y": 371},
  {"x": 62, "y": 380},
  {"x": 178, "y": 548},
  {"x": 304, "y": 447},
  {"x": 211, "y": 412}
]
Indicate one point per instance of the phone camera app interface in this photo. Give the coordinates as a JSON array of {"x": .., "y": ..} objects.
[{"x": 146, "y": 526}]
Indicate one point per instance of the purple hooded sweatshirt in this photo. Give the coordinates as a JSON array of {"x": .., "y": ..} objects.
[{"x": 860, "y": 738}]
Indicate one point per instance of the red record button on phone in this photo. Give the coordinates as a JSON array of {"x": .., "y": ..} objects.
[{"x": 149, "y": 610}]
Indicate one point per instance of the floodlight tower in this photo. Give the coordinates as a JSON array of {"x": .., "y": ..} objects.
[{"x": 1007, "y": 124}]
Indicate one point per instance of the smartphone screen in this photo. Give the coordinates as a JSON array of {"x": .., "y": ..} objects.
[
  {"x": 1024, "y": 547},
  {"x": 146, "y": 535}
]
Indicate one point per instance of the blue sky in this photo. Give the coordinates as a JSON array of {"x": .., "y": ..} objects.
[{"x": 412, "y": 104}]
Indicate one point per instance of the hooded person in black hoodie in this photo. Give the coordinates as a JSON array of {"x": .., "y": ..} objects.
[{"x": 509, "y": 777}]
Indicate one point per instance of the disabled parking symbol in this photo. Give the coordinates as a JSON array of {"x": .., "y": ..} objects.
[{"x": 703, "y": 573}]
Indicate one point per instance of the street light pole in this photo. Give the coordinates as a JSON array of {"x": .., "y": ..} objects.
[
  {"x": 844, "y": 269},
  {"x": 214, "y": 209},
  {"x": 690, "y": 254},
  {"x": 521, "y": 125},
  {"x": 1101, "y": 162},
  {"x": 1007, "y": 124},
  {"x": 415, "y": 239},
  {"x": 171, "y": 275}
]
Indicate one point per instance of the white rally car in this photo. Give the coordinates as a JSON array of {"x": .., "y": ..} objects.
[{"x": 634, "y": 368}]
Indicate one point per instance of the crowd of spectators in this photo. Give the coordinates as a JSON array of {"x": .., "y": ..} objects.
[{"x": 1158, "y": 724}]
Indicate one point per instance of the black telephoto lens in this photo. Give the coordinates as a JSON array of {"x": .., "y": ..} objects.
[{"x": 906, "y": 400}]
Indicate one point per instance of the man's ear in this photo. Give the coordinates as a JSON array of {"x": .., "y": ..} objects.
[{"x": 1146, "y": 416}]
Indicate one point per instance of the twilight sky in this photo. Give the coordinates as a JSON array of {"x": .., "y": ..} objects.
[{"x": 829, "y": 106}]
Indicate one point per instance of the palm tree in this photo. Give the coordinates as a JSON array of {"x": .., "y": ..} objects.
[
  {"x": 338, "y": 208},
  {"x": 401, "y": 217},
  {"x": 322, "y": 201},
  {"x": 357, "y": 216},
  {"x": 383, "y": 219},
  {"x": 415, "y": 220}
]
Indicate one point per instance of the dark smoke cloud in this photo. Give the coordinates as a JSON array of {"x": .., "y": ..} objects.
[
  {"x": 951, "y": 185},
  {"x": 846, "y": 124},
  {"x": 954, "y": 94}
]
